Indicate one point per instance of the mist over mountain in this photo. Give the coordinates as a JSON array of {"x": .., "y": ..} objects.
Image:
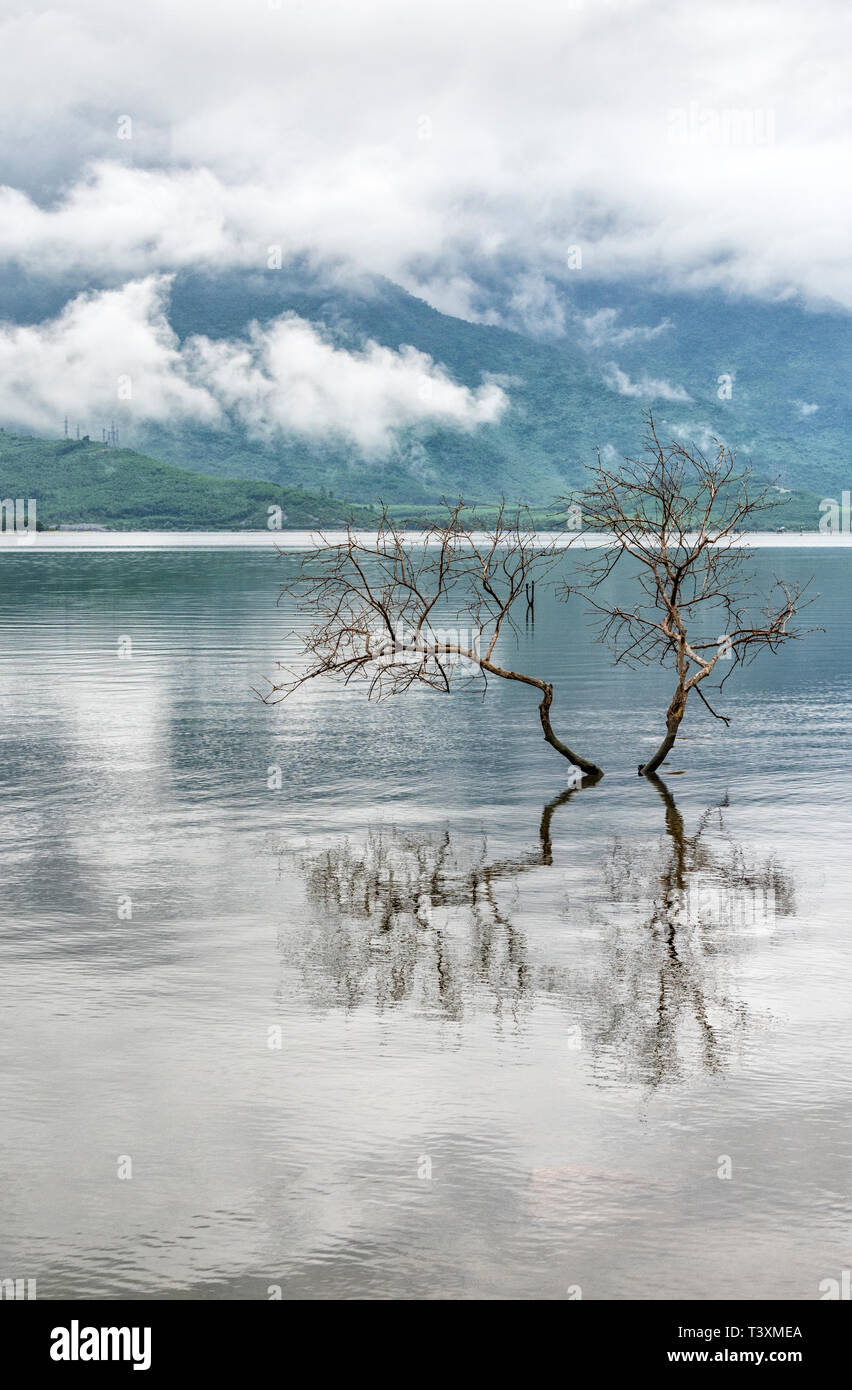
[
  {"x": 233, "y": 378},
  {"x": 460, "y": 261}
]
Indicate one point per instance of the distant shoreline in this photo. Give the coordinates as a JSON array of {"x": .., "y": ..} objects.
[{"x": 88, "y": 541}]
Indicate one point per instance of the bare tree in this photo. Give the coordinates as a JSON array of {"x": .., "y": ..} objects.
[
  {"x": 679, "y": 515},
  {"x": 386, "y": 609}
]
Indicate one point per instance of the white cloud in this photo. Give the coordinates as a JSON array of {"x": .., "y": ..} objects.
[
  {"x": 82, "y": 363},
  {"x": 600, "y": 330},
  {"x": 287, "y": 377},
  {"x": 702, "y": 436},
  {"x": 113, "y": 355},
  {"x": 806, "y": 408},
  {"x": 392, "y": 137},
  {"x": 645, "y": 388},
  {"x": 535, "y": 307}
]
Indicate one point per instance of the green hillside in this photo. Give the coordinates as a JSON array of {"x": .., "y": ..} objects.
[
  {"x": 770, "y": 379},
  {"x": 788, "y": 409},
  {"x": 83, "y": 481}
]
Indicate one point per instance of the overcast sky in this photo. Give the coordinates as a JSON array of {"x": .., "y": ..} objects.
[{"x": 454, "y": 146}]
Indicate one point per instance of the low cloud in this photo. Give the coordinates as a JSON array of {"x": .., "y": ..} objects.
[
  {"x": 288, "y": 377},
  {"x": 645, "y": 388},
  {"x": 101, "y": 349},
  {"x": 113, "y": 355},
  {"x": 702, "y": 436},
  {"x": 601, "y": 330},
  {"x": 806, "y": 408},
  {"x": 535, "y": 308}
]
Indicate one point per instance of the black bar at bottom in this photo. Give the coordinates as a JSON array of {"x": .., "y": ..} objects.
[{"x": 154, "y": 1338}]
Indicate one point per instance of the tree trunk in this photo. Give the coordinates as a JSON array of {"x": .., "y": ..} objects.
[
  {"x": 591, "y": 769},
  {"x": 673, "y": 717}
]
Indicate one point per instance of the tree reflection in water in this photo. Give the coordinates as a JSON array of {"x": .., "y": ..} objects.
[
  {"x": 674, "y": 921},
  {"x": 426, "y": 919},
  {"x": 414, "y": 915}
]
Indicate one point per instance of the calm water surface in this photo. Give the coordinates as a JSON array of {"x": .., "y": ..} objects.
[{"x": 370, "y": 1003}]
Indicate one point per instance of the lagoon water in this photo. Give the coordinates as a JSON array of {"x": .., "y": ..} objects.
[{"x": 355, "y": 1000}]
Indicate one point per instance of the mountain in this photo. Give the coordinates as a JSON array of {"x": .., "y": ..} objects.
[
  {"x": 82, "y": 481},
  {"x": 770, "y": 379},
  {"x": 530, "y": 454}
]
